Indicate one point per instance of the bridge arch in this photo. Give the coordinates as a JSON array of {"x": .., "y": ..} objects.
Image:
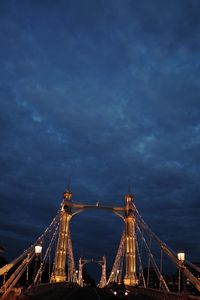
[
  {"x": 102, "y": 263},
  {"x": 70, "y": 209}
]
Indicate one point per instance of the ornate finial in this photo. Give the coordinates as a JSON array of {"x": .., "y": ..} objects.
[
  {"x": 129, "y": 197},
  {"x": 68, "y": 194}
]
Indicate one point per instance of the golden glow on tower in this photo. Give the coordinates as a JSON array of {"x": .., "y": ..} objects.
[
  {"x": 130, "y": 247},
  {"x": 129, "y": 198},
  {"x": 68, "y": 210},
  {"x": 59, "y": 274},
  {"x": 67, "y": 195}
]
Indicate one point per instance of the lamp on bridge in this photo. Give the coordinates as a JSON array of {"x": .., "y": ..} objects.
[
  {"x": 181, "y": 258},
  {"x": 38, "y": 251},
  {"x": 118, "y": 276},
  {"x": 76, "y": 276}
]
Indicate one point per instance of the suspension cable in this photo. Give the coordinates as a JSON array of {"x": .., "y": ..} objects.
[
  {"x": 16, "y": 276},
  {"x": 154, "y": 263},
  {"x": 161, "y": 266},
  {"x": 7, "y": 267},
  {"x": 42, "y": 266},
  {"x": 149, "y": 262},
  {"x": 113, "y": 274},
  {"x": 140, "y": 264},
  {"x": 170, "y": 253}
]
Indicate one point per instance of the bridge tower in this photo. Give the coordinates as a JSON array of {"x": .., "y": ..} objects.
[
  {"x": 59, "y": 274},
  {"x": 130, "y": 241},
  {"x": 80, "y": 272},
  {"x": 103, "y": 282}
]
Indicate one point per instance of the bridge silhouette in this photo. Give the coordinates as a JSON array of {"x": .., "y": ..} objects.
[{"x": 137, "y": 247}]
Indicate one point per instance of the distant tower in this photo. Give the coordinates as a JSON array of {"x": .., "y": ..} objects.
[
  {"x": 103, "y": 281},
  {"x": 59, "y": 274},
  {"x": 80, "y": 272},
  {"x": 130, "y": 248}
]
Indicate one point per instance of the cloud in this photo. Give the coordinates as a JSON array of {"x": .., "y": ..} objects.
[{"x": 108, "y": 94}]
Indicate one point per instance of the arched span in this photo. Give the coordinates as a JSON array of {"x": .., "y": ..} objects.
[{"x": 101, "y": 263}]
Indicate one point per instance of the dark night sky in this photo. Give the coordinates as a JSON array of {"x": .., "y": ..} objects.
[{"x": 106, "y": 92}]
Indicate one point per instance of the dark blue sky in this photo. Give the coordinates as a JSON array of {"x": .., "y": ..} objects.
[{"x": 106, "y": 92}]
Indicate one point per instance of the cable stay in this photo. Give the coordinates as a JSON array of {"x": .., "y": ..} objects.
[
  {"x": 71, "y": 264},
  {"x": 38, "y": 276},
  {"x": 159, "y": 275},
  {"x": 21, "y": 263},
  {"x": 141, "y": 273},
  {"x": 116, "y": 273},
  {"x": 170, "y": 253}
]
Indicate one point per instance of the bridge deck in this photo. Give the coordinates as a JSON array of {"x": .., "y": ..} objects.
[{"x": 60, "y": 291}]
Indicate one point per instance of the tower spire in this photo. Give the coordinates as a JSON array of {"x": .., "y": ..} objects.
[
  {"x": 69, "y": 183},
  {"x": 67, "y": 193},
  {"x": 129, "y": 188}
]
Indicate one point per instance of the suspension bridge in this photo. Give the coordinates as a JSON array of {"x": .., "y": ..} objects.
[{"x": 55, "y": 272}]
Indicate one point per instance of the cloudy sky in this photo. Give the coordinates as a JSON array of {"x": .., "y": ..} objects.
[{"x": 106, "y": 92}]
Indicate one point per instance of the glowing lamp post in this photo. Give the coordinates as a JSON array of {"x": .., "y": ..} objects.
[
  {"x": 38, "y": 251},
  {"x": 181, "y": 258},
  {"x": 118, "y": 276}
]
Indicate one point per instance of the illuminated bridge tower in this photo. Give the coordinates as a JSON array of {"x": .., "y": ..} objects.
[
  {"x": 59, "y": 274},
  {"x": 102, "y": 283},
  {"x": 130, "y": 244}
]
